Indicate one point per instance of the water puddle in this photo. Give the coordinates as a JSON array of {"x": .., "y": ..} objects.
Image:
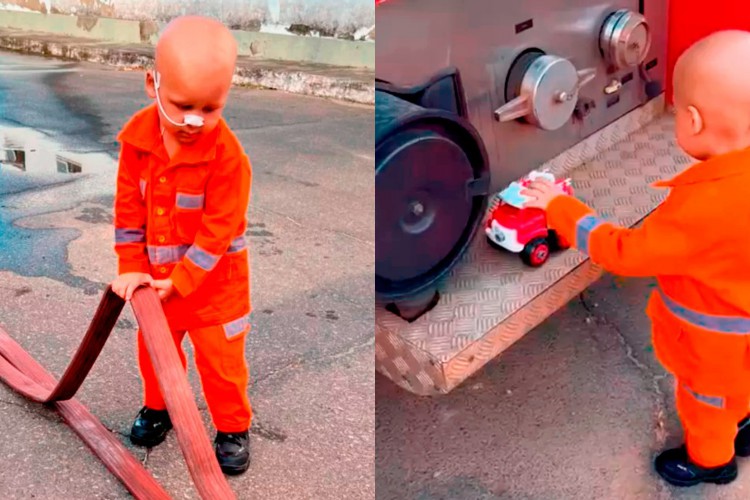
[
  {"x": 34, "y": 153},
  {"x": 38, "y": 162},
  {"x": 38, "y": 181}
]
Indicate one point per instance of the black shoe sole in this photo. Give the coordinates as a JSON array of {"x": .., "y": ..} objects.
[
  {"x": 148, "y": 442},
  {"x": 235, "y": 470},
  {"x": 684, "y": 484}
]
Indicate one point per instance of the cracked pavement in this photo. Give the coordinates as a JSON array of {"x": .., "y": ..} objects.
[
  {"x": 311, "y": 235},
  {"x": 600, "y": 318},
  {"x": 575, "y": 410}
]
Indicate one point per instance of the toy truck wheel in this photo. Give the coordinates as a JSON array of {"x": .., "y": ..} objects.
[
  {"x": 557, "y": 242},
  {"x": 536, "y": 252}
]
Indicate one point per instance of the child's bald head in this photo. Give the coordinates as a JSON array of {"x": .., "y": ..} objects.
[
  {"x": 711, "y": 97},
  {"x": 195, "y": 62},
  {"x": 196, "y": 48}
]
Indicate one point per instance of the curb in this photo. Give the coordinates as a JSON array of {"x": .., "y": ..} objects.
[{"x": 346, "y": 84}]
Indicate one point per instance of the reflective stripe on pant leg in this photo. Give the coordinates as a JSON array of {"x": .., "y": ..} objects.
[
  {"x": 224, "y": 376},
  {"x": 151, "y": 393},
  {"x": 710, "y": 429},
  {"x": 236, "y": 327}
]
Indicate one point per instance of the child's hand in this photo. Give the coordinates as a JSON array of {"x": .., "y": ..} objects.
[
  {"x": 125, "y": 284},
  {"x": 541, "y": 192},
  {"x": 163, "y": 287}
]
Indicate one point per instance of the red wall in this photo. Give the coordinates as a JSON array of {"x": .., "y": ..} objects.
[{"x": 691, "y": 20}]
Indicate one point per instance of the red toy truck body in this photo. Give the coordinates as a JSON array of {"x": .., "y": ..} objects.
[{"x": 524, "y": 230}]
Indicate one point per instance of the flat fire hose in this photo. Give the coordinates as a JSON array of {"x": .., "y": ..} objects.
[{"x": 25, "y": 375}]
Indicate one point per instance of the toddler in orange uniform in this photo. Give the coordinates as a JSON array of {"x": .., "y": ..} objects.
[
  {"x": 697, "y": 245},
  {"x": 183, "y": 189}
]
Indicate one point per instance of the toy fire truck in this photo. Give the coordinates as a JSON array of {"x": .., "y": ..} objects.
[{"x": 522, "y": 230}]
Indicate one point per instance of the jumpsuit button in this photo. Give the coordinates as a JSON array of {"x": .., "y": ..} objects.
[
  {"x": 161, "y": 239},
  {"x": 159, "y": 211},
  {"x": 163, "y": 270},
  {"x": 162, "y": 179}
]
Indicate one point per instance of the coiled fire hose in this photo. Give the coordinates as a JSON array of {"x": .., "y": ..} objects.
[{"x": 26, "y": 376}]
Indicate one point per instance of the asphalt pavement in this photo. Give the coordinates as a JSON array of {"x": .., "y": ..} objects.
[
  {"x": 311, "y": 239},
  {"x": 575, "y": 410}
]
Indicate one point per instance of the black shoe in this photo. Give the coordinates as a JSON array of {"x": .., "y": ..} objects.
[
  {"x": 742, "y": 441},
  {"x": 675, "y": 467},
  {"x": 150, "y": 427},
  {"x": 233, "y": 452}
]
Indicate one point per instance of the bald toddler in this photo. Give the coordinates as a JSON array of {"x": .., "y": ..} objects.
[
  {"x": 183, "y": 189},
  {"x": 696, "y": 245}
]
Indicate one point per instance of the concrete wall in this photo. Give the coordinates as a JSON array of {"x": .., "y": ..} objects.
[
  {"x": 346, "y": 19},
  {"x": 285, "y": 30}
]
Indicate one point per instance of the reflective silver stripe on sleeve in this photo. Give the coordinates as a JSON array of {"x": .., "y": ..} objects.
[
  {"x": 584, "y": 227},
  {"x": 172, "y": 254},
  {"x": 238, "y": 244},
  {"x": 201, "y": 258},
  {"x": 129, "y": 235},
  {"x": 236, "y": 327},
  {"x": 189, "y": 201}
]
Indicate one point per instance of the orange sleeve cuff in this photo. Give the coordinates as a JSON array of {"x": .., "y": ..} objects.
[
  {"x": 132, "y": 266},
  {"x": 568, "y": 215},
  {"x": 182, "y": 280}
]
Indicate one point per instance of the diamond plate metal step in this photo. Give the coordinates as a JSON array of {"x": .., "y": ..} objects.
[{"x": 491, "y": 299}]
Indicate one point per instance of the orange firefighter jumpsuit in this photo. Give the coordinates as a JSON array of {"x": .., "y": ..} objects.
[
  {"x": 185, "y": 219},
  {"x": 697, "y": 245}
]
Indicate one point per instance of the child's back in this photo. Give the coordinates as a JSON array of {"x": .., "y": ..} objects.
[{"x": 696, "y": 244}]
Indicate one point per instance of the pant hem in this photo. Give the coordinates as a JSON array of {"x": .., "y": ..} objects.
[
  {"x": 701, "y": 463},
  {"x": 229, "y": 429}
]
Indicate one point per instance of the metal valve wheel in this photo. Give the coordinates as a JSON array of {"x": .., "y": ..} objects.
[{"x": 548, "y": 92}]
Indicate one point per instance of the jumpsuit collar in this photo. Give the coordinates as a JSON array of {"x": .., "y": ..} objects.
[{"x": 713, "y": 169}]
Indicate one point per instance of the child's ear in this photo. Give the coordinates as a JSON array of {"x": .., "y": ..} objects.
[
  {"x": 150, "y": 87},
  {"x": 696, "y": 120}
]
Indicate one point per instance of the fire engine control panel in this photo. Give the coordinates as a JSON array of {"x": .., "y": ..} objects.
[{"x": 543, "y": 89}]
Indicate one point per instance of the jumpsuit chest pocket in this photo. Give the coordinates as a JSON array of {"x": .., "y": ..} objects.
[{"x": 190, "y": 202}]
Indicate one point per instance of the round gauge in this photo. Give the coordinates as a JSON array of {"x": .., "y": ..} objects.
[{"x": 625, "y": 39}]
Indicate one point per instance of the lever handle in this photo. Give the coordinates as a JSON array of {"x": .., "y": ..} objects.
[{"x": 514, "y": 109}]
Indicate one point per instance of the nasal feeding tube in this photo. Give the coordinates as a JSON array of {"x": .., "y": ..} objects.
[{"x": 188, "y": 120}]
